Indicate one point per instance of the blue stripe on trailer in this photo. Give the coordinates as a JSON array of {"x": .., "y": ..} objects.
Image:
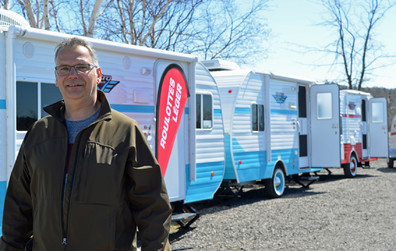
[
  {"x": 253, "y": 165},
  {"x": 289, "y": 158},
  {"x": 133, "y": 108},
  {"x": 2, "y": 104},
  {"x": 3, "y": 190},
  {"x": 250, "y": 165},
  {"x": 208, "y": 179},
  {"x": 217, "y": 112},
  {"x": 242, "y": 110},
  {"x": 229, "y": 173},
  {"x": 283, "y": 112}
]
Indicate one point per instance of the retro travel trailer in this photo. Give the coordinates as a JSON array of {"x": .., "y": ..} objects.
[
  {"x": 277, "y": 126},
  {"x": 266, "y": 125},
  {"x": 348, "y": 128},
  {"x": 161, "y": 90},
  {"x": 364, "y": 134}
]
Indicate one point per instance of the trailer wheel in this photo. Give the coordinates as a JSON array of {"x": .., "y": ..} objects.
[
  {"x": 275, "y": 186},
  {"x": 350, "y": 169}
]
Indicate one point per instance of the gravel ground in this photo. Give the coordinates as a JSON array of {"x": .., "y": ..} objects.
[{"x": 335, "y": 213}]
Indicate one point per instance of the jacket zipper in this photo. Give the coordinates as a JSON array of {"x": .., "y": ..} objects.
[
  {"x": 65, "y": 224},
  {"x": 64, "y": 239}
]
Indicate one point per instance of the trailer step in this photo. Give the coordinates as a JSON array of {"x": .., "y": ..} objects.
[
  {"x": 183, "y": 216},
  {"x": 305, "y": 180},
  {"x": 366, "y": 165}
]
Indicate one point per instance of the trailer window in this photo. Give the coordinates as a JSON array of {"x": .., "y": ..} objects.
[
  {"x": 364, "y": 110},
  {"x": 31, "y": 98},
  {"x": 302, "y": 102},
  {"x": 49, "y": 95},
  {"x": 204, "y": 106},
  {"x": 324, "y": 105},
  {"x": 377, "y": 112},
  {"x": 257, "y": 117},
  {"x": 27, "y": 102}
]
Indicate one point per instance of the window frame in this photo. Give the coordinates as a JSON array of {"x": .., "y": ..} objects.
[
  {"x": 262, "y": 121},
  {"x": 320, "y": 113},
  {"x": 201, "y": 112},
  {"x": 39, "y": 108}
]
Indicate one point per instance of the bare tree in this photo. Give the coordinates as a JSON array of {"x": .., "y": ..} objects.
[
  {"x": 60, "y": 15},
  {"x": 45, "y": 18},
  {"x": 151, "y": 23},
  {"x": 55, "y": 15},
  {"x": 232, "y": 31},
  {"x": 207, "y": 28},
  {"x": 6, "y": 4},
  {"x": 355, "y": 48},
  {"x": 93, "y": 11},
  {"x": 37, "y": 13},
  {"x": 32, "y": 18}
]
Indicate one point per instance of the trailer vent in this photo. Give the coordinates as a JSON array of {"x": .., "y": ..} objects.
[
  {"x": 220, "y": 65},
  {"x": 8, "y": 17}
]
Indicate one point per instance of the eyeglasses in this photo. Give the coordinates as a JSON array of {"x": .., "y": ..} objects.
[{"x": 64, "y": 70}]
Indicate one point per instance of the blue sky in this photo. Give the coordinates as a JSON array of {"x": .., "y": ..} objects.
[{"x": 295, "y": 22}]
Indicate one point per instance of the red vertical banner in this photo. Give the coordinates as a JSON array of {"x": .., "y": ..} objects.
[{"x": 171, "y": 99}]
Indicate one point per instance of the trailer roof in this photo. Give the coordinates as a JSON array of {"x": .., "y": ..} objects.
[
  {"x": 56, "y": 37},
  {"x": 8, "y": 17},
  {"x": 223, "y": 67},
  {"x": 356, "y": 92}
]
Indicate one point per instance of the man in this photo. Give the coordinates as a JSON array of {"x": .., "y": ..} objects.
[{"x": 85, "y": 177}]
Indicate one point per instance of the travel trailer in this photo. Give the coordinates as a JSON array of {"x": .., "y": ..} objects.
[
  {"x": 348, "y": 128},
  {"x": 266, "y": 125},
  {"x": 161, "y": 90},
  {"x": 364, "y": 134},
  {"x": 277, "y": 126}
]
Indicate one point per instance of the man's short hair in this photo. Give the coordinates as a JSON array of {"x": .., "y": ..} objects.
[{"x": 76, "y": 41}]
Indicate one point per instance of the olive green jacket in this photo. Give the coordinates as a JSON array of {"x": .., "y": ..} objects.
[{"x": 114, "y": 185}]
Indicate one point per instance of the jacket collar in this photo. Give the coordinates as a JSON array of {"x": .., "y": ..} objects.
[{"x": 57, "y": 110}]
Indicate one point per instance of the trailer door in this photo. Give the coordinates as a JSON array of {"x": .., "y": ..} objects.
[
  {"x": 325, "y": 126},
  {"x": 378, "y": 127}
]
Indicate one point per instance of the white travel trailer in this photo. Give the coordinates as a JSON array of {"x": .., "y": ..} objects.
[
  {"x": 136, "y": 81},
  {"x": 348, "y": 128},
  {"x": 392, "y": 143},
  {"x": 277, "y": 126},
  {"x": 266, "y": 125},
  {"x": 364, "y": 134}
]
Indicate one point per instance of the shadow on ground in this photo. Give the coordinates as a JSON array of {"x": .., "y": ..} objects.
[{"x": 387, "y": 170}]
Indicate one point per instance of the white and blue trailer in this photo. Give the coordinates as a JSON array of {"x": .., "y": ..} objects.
[
  {"x": 266, "y": 125},
  {"x": 277, "y": 126},
  {"x": 132, "y": 78}
]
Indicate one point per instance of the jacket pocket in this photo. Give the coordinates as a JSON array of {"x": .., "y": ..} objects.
[
  {"x": 100, "y": 154},
  {"x": 91, "y": 227},
  {"x": 98, "y": 176}
]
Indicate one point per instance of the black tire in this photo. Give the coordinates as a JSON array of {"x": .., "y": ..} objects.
[
  {"x": 350, "y": 169},
  {"x": 275, "y": 187}
]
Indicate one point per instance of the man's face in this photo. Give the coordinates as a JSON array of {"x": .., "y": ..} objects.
[{"x": 77, "y": 87}]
